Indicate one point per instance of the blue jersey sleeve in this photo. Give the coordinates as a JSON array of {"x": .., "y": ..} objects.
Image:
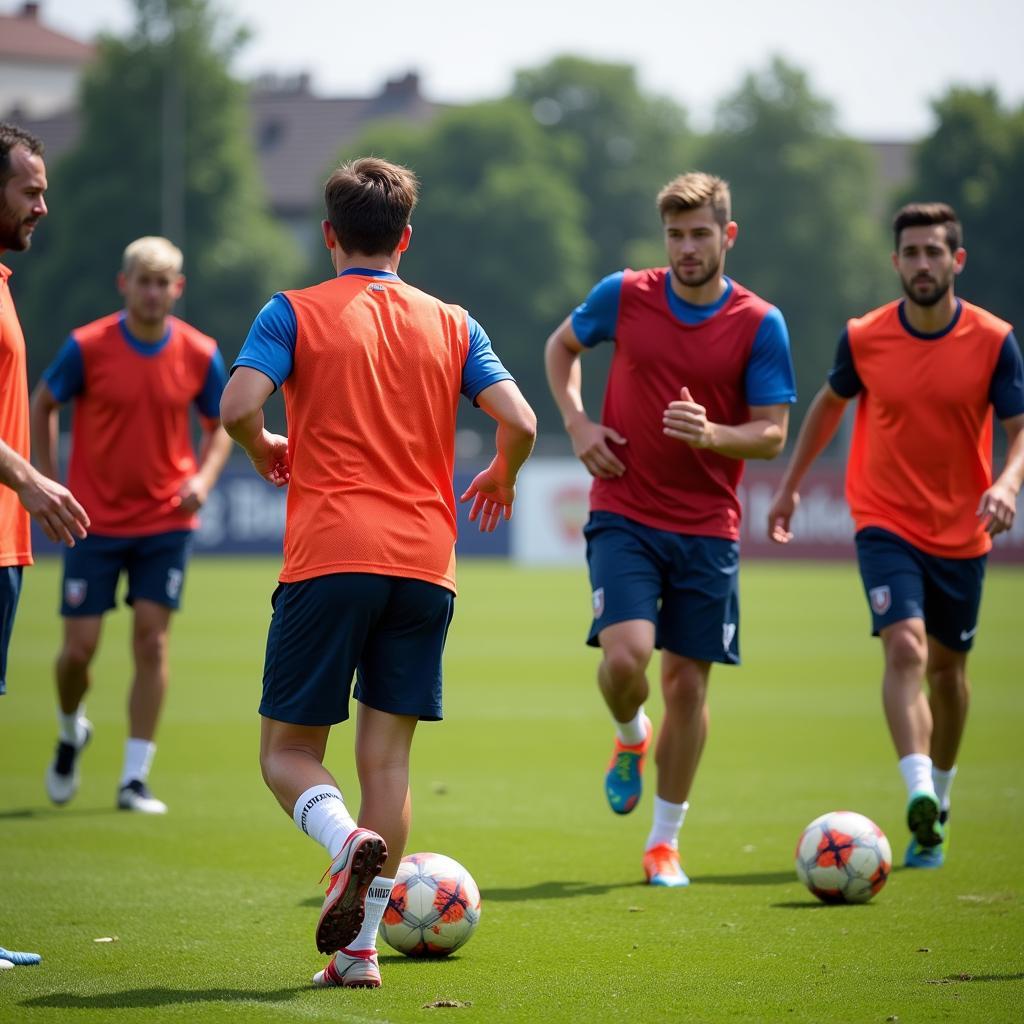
[
  {"x": 65, "y": 376},
  {"x": 270, "y": 345},
  {"x": 594, "y": 319},
  {"x": 482, "y": 367},
  {"x": 843, "y": 377},
  {"x": 208, "y": 400},
  {"x": 769, "y": 377},
  {"x": 1006, "y": 391}
]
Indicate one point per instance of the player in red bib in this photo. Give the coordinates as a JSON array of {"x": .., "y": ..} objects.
[
  {"x": 928, "y": 372},
  {"x": 372, "y": 370},
  {"x": 134, "y": 378},
  {"x": 701, "y": 379}
]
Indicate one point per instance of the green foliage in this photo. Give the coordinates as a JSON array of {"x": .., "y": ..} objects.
[
  {"x": 974, "y": 160},
  {"x": 803, "y": 196},
  {"x": 110, "y": 188}
]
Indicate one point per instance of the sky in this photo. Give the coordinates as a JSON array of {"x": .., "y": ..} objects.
[{"x": 879, "y": 62}]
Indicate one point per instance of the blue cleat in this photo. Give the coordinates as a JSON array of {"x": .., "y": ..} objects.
[
  {"x": 19, "y": 959},
  {"x": 623, "y": 782}
]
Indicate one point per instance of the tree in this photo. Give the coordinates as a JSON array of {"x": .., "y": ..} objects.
[
  {"x": 498, "y": 229},
  {"x": 623, "y": 146},
  {"x": 804, "y": 197},
  {"x": 136, "y": 172}
]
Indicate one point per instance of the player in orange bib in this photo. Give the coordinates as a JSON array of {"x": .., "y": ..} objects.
[
  {"x": 134, "y": 378},
  {"x": 372, "y": 370},
  {"x": 928, "y": 372}
]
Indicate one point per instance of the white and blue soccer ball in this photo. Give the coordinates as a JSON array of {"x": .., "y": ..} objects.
[
  {"x": 434, "y": 906},
  {"x": 843, "y": 857}
]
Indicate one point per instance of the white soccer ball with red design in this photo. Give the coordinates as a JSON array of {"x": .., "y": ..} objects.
[
  {"x": 843, "y": 857},
  {"x": 434, "y": 907}
]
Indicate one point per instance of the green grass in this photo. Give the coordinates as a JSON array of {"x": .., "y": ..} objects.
[{"x": 213, "y": 907}]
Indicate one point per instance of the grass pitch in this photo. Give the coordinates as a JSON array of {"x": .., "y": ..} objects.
[{"x": 212, "y": 908}]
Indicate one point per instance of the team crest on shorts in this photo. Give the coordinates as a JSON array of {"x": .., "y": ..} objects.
[
  {"x": 174, "y": 578},
  {"x": 881, "y": 599},
  {"x": 728, "y": 632},
  {"x": 75, "y": 591},
  {"x": 598, "y": 602}
]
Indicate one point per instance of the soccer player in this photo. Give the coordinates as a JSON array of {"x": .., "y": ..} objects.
[
  {"x": 927, "y": 371},
  {"x": 133, "y": 377},
  {"x": 701, "y": 379},
  {"x": 25, "y": 492},
  {"x": 371, "y": 370}
]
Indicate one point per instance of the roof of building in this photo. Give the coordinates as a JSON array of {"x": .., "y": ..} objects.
[{"x": 24, "y": 37}]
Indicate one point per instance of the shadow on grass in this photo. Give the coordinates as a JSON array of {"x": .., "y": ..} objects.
[
  {"x": 141, "y": 998},
  {"x": 814, "y": 904},
  {"x": 752, "y": 878},
  {"x": 24, "y": 813},
  {"x": 963, "y": 979}
]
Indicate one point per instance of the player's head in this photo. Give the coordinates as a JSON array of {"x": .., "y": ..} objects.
[
  {"x": 929, "y": 250},
  {"x": 369, "y": 203},
  {"x": 696, "y": 214},
  {"x": 150, "y": 279},
  {"x": 22, "y": 186}
]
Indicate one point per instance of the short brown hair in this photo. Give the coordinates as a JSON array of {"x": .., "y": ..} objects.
[
  {"x": 369, "y": 202},
  {"x": 694, "y": 190},
  {"x": 921, "y": 215},
  {"x": 10, "y": 136}
]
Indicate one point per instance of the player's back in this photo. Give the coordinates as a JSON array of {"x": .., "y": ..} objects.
[{"x": 371, "y": 403}]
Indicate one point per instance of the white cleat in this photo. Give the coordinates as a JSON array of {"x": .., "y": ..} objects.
[
  {"x": 350, "y": 969},
  {"x": 135, "y": 796},
  {"x": 62, "y": 772}
]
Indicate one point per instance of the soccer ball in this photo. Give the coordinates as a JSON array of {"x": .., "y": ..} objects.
[
  {"x": 434, "y": 907},
  {"x": 843, "y": 857}
]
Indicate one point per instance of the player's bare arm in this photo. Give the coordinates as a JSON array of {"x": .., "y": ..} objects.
[
  {"x": 763, "y": 436},
  {"x": 998, "y": 505},
  {"x": 493, "y": 491},
  {"x": 819, "y": 427},
  {"x": 214, "y": 451},
  {"x": 241, "y": 413},
  {"x": 590, "y": 440}
]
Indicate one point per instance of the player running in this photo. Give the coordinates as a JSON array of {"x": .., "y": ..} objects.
[
  {"x": 701, "y": 379},
  {"x": 927, "y": 371},
  {"x": 371, "y": 369},
  {"x": 133, "y": 378}
]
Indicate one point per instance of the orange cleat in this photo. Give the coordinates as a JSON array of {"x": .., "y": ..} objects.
[{"x": 662, "y": 867}]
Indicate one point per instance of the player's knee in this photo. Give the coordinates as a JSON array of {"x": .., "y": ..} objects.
[
  {"x": 77, "y": 653},
  {"x": 624, "y": 662},
  {"x": 684, "y": 691},
  {"x": 905, "y": 649},
  {"x": 947, "y": 681},
  {"x": 150, "y": 646}
]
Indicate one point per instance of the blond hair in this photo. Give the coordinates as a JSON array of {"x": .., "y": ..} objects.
[
  {"x": 152, "y": 253},
  {"x": 694, "y": 190}
]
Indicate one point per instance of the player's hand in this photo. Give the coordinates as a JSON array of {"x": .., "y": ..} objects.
[
  {"x": 590, "y": 446},
  {"x": 192, "y": 495},
  {"x": 780, "y": 514},
  {"x": 270, "y": 459},
  {"x": 687, "y": 421},
  {"x": 492, "y": 500},
  {"x": 54, "y": 508},
  {"x": 997, "y": 508}
]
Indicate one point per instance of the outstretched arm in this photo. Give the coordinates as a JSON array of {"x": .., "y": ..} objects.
[
  {"x": 819, "y": 427},
  {"x": 998, "y": 505},
  {"x": 494, "y": 490},
  {"x": 589, "y": 439},
  {"x": 241, "y": 413}
]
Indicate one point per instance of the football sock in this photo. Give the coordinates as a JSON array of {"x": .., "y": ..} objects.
[
  {"x": 138, "y": 756},
  {"x": 668, "y": 820},
  {"x": 943, "y": 784},
  {"x": 916, "y": 770},
  {"x": 68, "y": 725},
  {"x": 634, "y": 731},
  {"x": 321, "y": 813},
  {"x": 373, "y": 911}
]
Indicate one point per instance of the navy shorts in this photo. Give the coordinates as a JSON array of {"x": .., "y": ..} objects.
[
  {"x": 687, "y": 586},
  {"x": 10, "y": 591},
  {"x": 903, "y": 582},
  {"x": 155, "y": 566},
  {"x": 388, "y": 630}
]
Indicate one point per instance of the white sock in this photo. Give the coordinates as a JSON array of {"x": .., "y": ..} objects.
[
  {"x": 668, "y": 820},
  {"x": 321, "y": 813},
  {"x": 916, "y": 770},
  {"x": 943, "y": 784},
  {"x": 376, "y": 903},
  {"x": 68, "y": 725},
  {"x": 634, "y": 731},
  {"x": 138, "y": 756}
]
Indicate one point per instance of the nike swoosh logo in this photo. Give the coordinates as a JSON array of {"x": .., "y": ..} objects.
[{"x": 966, "y": 635}]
